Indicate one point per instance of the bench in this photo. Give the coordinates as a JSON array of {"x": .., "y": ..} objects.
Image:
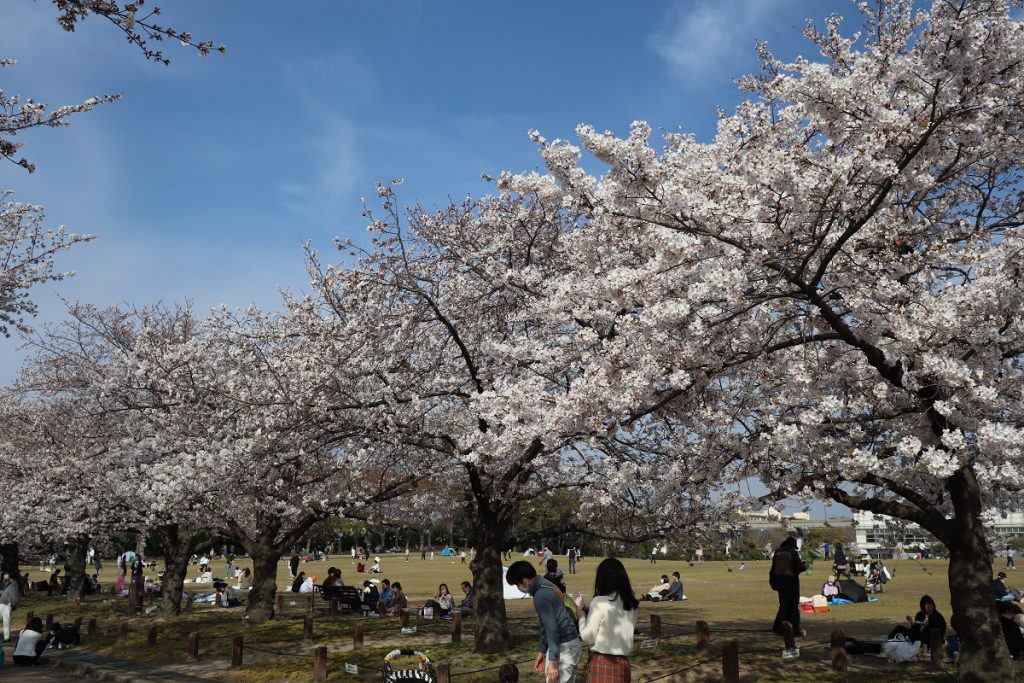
[{"x": 350, "y": 596}]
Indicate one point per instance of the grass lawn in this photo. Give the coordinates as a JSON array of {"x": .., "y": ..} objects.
[{"x": 737, "y": 605}]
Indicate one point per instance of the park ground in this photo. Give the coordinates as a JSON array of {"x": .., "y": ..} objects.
[{"x": 737, "y": 604}]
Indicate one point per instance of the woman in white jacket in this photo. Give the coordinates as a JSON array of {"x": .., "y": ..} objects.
[{"x": 607, "y": 625}]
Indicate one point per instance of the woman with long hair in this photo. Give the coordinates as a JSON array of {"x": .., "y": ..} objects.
[{"x": 607, "y": 625}]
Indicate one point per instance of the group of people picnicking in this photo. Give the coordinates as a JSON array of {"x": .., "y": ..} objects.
[{"x": 566, "y": 622}]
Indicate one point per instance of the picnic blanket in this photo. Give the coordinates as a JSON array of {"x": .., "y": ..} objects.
[{"x": 844, "y": 601}]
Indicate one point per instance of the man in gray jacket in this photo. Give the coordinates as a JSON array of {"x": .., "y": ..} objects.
[
  {"x": 10, "y": 598},
  {"x": 559, "y": 636}
]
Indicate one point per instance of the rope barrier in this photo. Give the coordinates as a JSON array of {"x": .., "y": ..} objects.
[
  {"x": 685, "y": 668},
  {"x": 246, "y": 646},
  {"x": 489, "y": 668}
]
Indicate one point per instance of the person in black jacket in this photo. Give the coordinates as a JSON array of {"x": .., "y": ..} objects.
[
  {"x": 926, "y": 620},
  {"x": 784, "y": 578},
  {"x": 1011, "y": 631}
]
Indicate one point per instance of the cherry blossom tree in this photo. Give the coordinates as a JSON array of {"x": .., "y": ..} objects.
[
  {"x": 113, "y": 372},
  {"x": 479, "y": 393},
  {"x": 27, "y": 252},
  {"x": 830, "y": 289}
]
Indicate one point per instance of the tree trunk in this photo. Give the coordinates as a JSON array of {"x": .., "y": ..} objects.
[
  {"x": 9, "y": 563},
  {"x": 76, "y": 581},
  {"x": 178, "y": 546},
  {"x": 489, "y": 618},
  {"x": 260, "y": 607},
  {"x": 983, "y": 653},
  {"x": 173, "y": 582}
]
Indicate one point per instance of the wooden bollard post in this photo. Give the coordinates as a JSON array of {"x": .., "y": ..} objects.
[
  {"x": 703, "y": 636},
  {"x": 28, "y": 617},
  {"x": 91, "y": 628},
  {"x": 730, "y": 662},
  {"x": 357, "y": 637},
  {"x": 113, "y": 608},
  {"x": 237, "y": 645},
  {"x": 122, "y": 632},
  {"x": 78, "y": 604},
  {"x": 937, "y": 645},
  {"x": 78, "y": 623},
  {"x": 307, "y": 629},
  {"x": 188, "y": 602},
  {"x": 457, "y": 628},
  {"x": 787, "y": 635},
  {"x": 280, "y": 603},
  {"x": 320, "y": 664},
  {"x": 192, "y": 653},
  {"x": 655, "y": 626},
  {"x": 838, "y": 650},
  {"x": 151, "y": 636},
  {"x": 403, "y": 619},
  {"x": 334, "y": 606},
  {"x": 309, "y": 604},
  {"x": 444, "y": 673},
  {"x": 49, "y": 623}
]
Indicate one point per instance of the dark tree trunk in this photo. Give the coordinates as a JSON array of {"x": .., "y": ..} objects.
[
  {"x": 178, "y": 547},
  {"x": 76, "y": 581},
  {"x": 489, "y": 618},
  {"x": 260, "y": 603},
  {"x": 9, "y": 561},
  {"x": 173, "y": 582},
  {"x": 983, "y": 654}
]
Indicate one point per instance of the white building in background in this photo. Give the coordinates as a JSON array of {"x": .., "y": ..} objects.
[{"x": 881, "y": 533}]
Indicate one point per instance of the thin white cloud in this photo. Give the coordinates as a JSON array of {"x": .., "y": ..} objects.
[
  {"x": 332, "y": 178},
  {"x": 705, "y": 41}
]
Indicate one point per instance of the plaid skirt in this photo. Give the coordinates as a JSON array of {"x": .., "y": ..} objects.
[{"x": 604, "y": 668}]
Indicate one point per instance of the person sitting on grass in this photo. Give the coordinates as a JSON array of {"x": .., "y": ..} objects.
[
  {"x": 928, "y": 619},
  {"x": 658, "y": 590},
  {"x": 830, "y": 590},
  {"x": 387, "y": 593},
  {"x": 245, "y": 580},
  {"x": 1008, "y": 613},
  {"x": 62, "y": 637},
  {"x": 675, "y": 589},
  {"x": 371, "y": 596},
  {"x": 31, "y": 643},
  {"x": 333, "y": 578},
  {"x": 442, "y": 602},
  {"x": 1002, "y": 592},
  {"x": 297, "y": 583},
  {"x": 467, "y": 604},
  {"x": 399, "y": 602}
]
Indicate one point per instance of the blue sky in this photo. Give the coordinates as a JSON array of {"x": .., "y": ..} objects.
[{"x": 203, "y": 182}]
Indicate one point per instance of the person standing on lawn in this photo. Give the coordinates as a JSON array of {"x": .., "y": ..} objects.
[
  {"x": 558, "y": 649},
  {"x": 784, "y": 578},
  {"x": 10, "y": 598},
  {"x": 607, "y": 625}
]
